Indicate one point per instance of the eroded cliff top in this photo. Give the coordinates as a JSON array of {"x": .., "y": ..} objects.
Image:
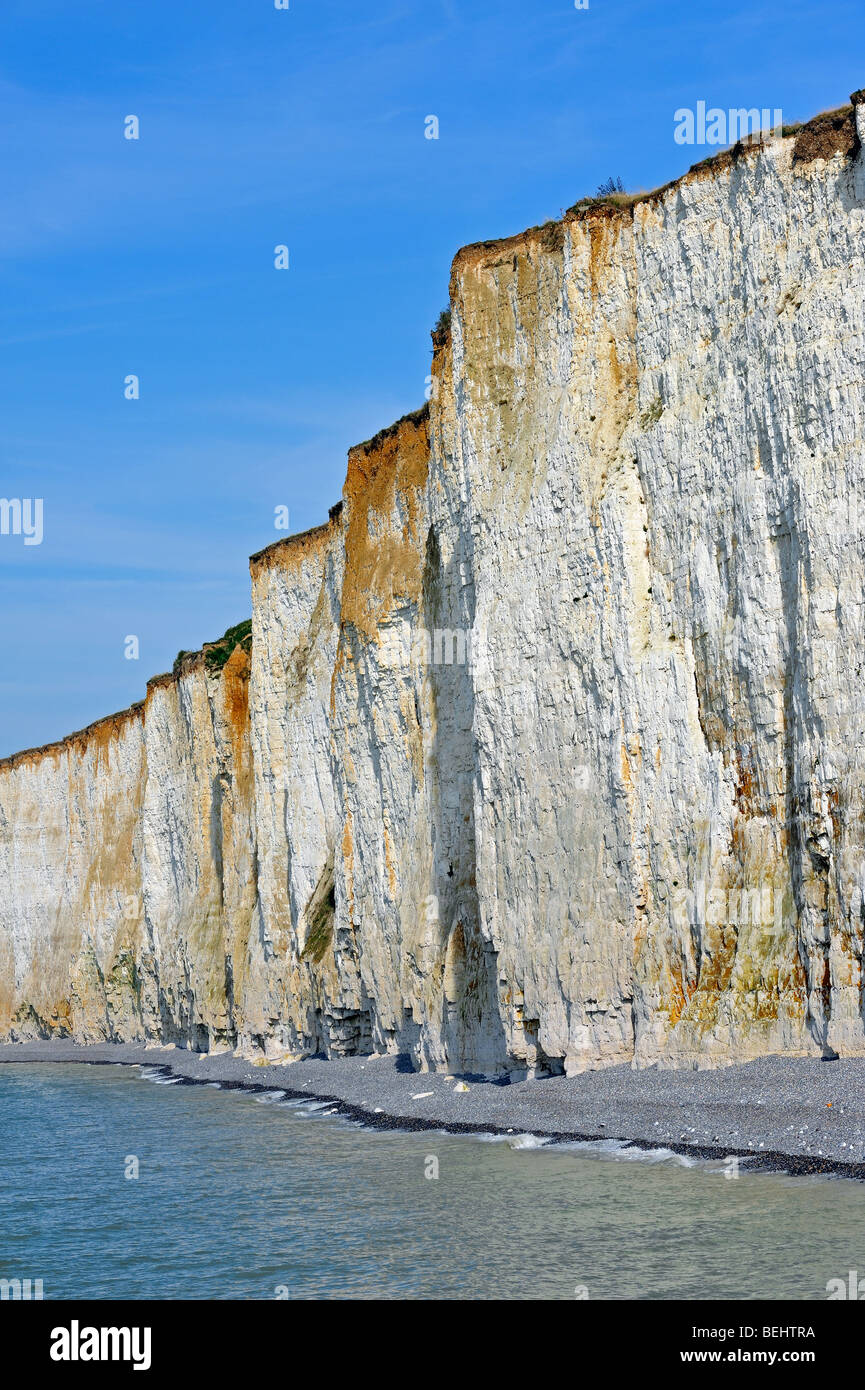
[
  {"x": 373, "y": 464},
  {"x": 213, "y": 657},
  {"x": 101, "y": 731},
  {"x": 823, "y": 136},
  {"x": 415, "y": 419},
  {"x": 291, "y": 551},
  {"x": 384, "y": 486}
]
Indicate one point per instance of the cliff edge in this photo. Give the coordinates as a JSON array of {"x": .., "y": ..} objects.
[{"x": 546, "y": 750}]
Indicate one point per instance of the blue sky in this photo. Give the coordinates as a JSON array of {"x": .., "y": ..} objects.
[{"x": 155, "y": 257}]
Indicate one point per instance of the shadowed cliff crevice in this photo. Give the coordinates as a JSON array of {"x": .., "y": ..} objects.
[{"x": 471, "y": 1027}]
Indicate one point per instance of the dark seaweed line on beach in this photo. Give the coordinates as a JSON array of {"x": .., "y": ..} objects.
[{"x": 772, "y": 1161}]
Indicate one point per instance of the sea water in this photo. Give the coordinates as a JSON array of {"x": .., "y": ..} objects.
[{"x": 116, "y": 1185}]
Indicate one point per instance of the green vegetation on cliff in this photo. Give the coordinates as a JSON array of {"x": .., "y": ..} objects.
[{"x": 217, "y": 653}]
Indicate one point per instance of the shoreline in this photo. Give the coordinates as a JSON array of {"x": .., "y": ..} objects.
[{"x": 799, "y": 1116}]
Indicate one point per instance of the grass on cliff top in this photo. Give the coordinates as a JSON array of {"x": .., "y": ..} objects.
[
  {"x": 216, "y": 654},
  {"x": 608, "y": 200}
]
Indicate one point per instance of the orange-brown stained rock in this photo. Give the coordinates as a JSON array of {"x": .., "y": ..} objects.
[
  {"x": 99, "y": 735},
  {"x": 681, "y": 991},
  {"x": 602, "y": 245},
  {"x": 235, "y": 676},
  {"x": 291, "y": 552},
  {"x": 385, "y": 534},
  {"x": 486, "y": 255},
  {"x": 348, "y": 861}
]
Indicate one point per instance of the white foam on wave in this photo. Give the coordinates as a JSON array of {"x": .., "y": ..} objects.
[
  {"x": 590, "y": 1148},
  {"x": 158, "y": 1077},
  {"x": 622, "y": 1151},
  {"x": 516, "y": 1139},
  {"x": 311, "y": 1108},
  {"x": 270, "y": 1097},
  {"x": 526, "y": 1141}
]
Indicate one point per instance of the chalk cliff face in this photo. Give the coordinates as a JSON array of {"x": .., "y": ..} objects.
[
  {"x": 547, "y": 750},
  {"x": 127, "y": 865}
]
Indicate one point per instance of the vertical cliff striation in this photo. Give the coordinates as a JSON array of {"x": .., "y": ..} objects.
[
  {"x": 127, "y": 864},
  {"x": 545, "y": 752}
]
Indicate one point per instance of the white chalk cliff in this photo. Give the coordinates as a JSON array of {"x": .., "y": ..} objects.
[{"x": 625, "y": 821}]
